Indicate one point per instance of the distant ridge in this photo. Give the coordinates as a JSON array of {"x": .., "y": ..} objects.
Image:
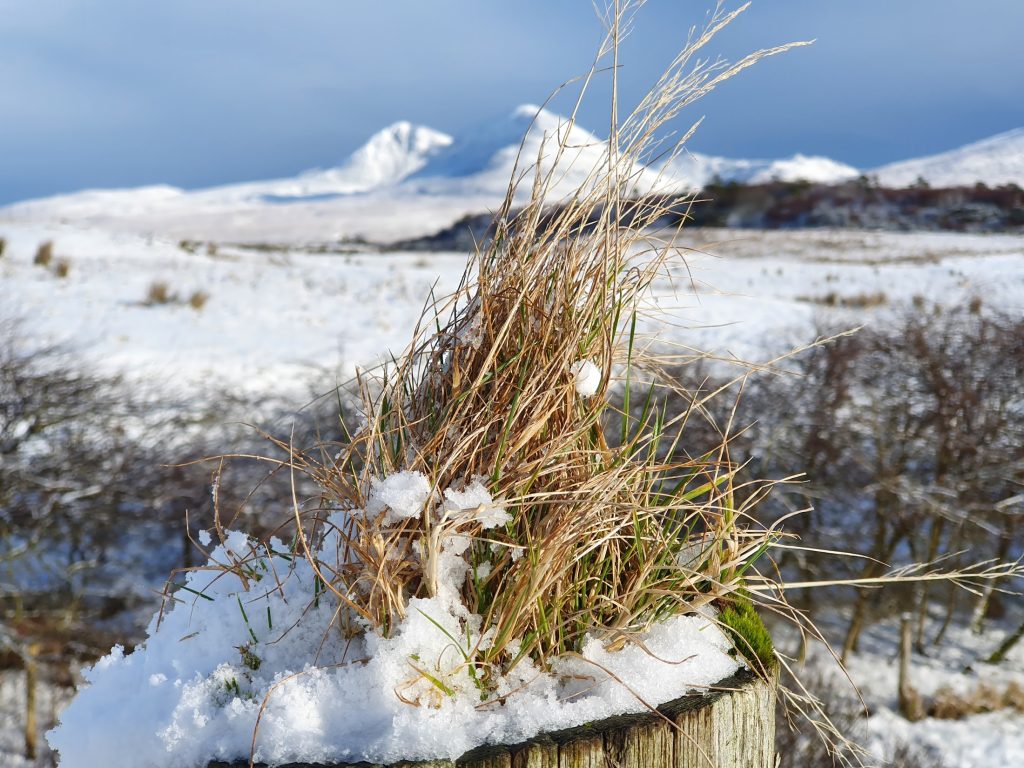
[
  {"x": 409, "y": 180},
  {"x": 993, "y": 161}
]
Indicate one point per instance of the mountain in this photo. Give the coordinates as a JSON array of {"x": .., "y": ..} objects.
[
  {"x": 407, "y": 181},
  {"x": 389, "y": 156},
  {"x": 484, "y": 160},
  {"x": 697, "y": 170},
  {"x": 993, "y": 161}
]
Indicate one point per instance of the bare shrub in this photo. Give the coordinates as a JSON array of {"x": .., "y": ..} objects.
[
  {"x": 3, "y": 246},
  {"x": 44, "y": 254},
  {"x": 800, "y": 743},
  {"x": 159, "y": 292},
  {"x": 949, "y": 704},
  {"x": 198, "y": 298},
  {"x": 856, "y": 301},
  {"x": 61, "y": 267},
  {"x": 912, "y": 441}
]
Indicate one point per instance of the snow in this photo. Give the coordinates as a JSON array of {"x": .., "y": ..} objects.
[
  {"x": 194, "y": 691},
  {"x": 402, "y": 494},
  {"x": 586, "y": 377},
  {"x": 279, "y": 322},
  {"x": 429, "y": 177},
  {"x": 269, "y": 327},
  {"x": 994, "y": 161},
  {"x": 976, "y": 741},
  {"x": 696, "y": 170},
  {"x": 476, "y": 499}
]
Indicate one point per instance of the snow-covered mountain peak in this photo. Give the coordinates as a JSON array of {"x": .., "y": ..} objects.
[
  {"x": 994, "y": 161},
  {"x": 696, "y": 170},
  {"x": 483, "y": 159},
  {"x": 392, "y": 154},
  {"x": 528, "y": 111}
]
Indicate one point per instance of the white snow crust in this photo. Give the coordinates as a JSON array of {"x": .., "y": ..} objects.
[
  {"x": 586, "y": 377},
  {"x": 193, "y": 692},
  {"x": 402, "y": 495},
  {"x": 993, "y": 161},
  {"x": 694, "y": 170}
]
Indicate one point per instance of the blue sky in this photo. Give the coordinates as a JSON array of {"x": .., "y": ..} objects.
[{"x": 200, "y": 92}]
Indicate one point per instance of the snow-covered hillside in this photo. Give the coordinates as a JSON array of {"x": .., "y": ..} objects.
[
  {"x": 409, "y": 181},
  {"x": 484, "y": 161},
  {"x": 697, "y": 169},
  {"x": 406, "y": 181},
  {"x": 994, "y": 161},
  {"x": 274, "y": 320},
  {"x": 389, "y": 156}
]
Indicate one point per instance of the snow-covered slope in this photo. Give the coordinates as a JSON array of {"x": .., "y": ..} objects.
[
  {"x": 406, "y": 181},
  {"x": 386, "y": 159},
  {"x": 994, "y": 161},
  {"x": 697, "y": 169},
  {"x": 485, "y": 159}
]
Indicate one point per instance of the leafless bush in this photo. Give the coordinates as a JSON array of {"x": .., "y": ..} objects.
[
  {"x": 912, "y": 442},
  {"x": 44, "y": 254},
  {"x": 159, "y": 292},
  {"x": 61, "y": 267},
  {"x": 96, "y": 480},
  {"x": 949, "y": 704},
  {"x": 799, "y": 745},
  {"x": 197, "y": 300}
]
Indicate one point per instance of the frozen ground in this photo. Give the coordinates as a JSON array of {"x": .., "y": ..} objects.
[{"x": 276, "y": 319}]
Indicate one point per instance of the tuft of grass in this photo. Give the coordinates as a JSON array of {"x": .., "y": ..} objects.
[
  {"x": 855, "y": 301},
  {"x": 61, "y": 267},
  {"x": 198, "y": 298},
  {"x": 3, "y": 246},
  {"x": 159, "y": 292},
  {"x": 613, "y": 527},
  {"x": 44, "y": 254}
]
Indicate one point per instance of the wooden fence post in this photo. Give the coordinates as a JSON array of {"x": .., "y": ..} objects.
[{"x": 31, "y": 682}]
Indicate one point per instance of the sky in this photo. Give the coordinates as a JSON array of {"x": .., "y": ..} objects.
[{"x": 120, "y": 93}]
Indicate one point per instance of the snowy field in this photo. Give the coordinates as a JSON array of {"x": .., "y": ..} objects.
[
  {"x": 273, "y": 320},
  {"x": 276, "y": 319}
]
